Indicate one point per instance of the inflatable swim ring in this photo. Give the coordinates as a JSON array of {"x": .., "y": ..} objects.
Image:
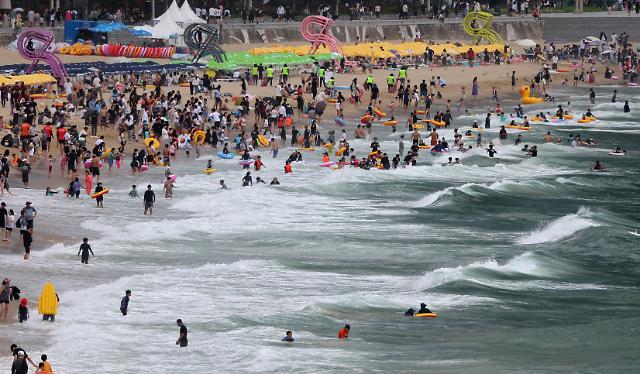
[
  {"x": 328, "y": 164},
  {"x": 262, "y": 140},
  {"x": 98, "y": 194},
  {"x": 585, "y": 120},
  {"x": 208, "y": 171},
  {"x": 390, "y": 123},
  {"x": 379, "y": 113},
  {"x": 245, "y": 162},
  {"x": 436, "y": 123},
  {"x": 421, "y": 111},
  {"x": 518, "y": 127},
  {"x": 424, "y": 146},
  {"x": 366, "y": 118},
  {"x": 152, "y": 141},
  {"x": 418, "y": 126},
  {"x": 227, "y": 156},
  {"x": 307, "y": 149},
  {"x": 426, "y": 315},
  {"x": 199, "y": 136},
  {"x": 87, "y": 164}
]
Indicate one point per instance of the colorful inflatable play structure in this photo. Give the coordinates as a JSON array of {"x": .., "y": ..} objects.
[
  {"x": 26, "y": 46},
  {"x": 478, "y": 26},
  {"x": 317, "y": 30},
  {"x": 203, "y": 38},
  {"x": 133, "y": 51},
  {"x": 116, "y": 50}
]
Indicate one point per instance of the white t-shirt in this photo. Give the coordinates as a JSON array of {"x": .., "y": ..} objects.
[
  {"x": 96, "y": 82},
  {"x": 68, "y": 88}
]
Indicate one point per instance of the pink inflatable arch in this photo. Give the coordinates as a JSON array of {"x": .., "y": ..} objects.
[{"x": 36, "y": 54}]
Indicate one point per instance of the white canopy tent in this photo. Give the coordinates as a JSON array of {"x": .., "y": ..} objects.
[
  {"x": 188, "y": 15},
  {"x": 166, "y": 29},
  {"x": 173, "y": 13},
  {"x": 182, "y": 16}
]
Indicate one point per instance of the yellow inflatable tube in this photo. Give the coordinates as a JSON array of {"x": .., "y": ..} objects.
[
  {"x": 152, "y": 141},
  {"x": 426, "y": 315},
  {"x": 379, "y": 113},
  {"x": 263, "y": 141},
  {"x": 517, "y": 127}
]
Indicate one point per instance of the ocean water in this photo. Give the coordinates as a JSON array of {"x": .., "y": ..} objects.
[{"x": 527, "y": 261}]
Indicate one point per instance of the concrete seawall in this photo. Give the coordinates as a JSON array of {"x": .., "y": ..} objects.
[
  {"x": 552, "y": 27},
  {"x": 362, "y": 31}
]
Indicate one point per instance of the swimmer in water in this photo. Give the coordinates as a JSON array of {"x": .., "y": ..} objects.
[
  {"x": 222, "y": 185},
  {"x": 424, "y": 309},
  {"x": 288, "y": 337},
  {"x": 247, "y": 180},
  {"x": 343, "y": 333},
  {"x": 209, "y": 164},
  {"x": 85, "y": 248},
  {"x": 598, "y": 166},
  {"x": 133, "y": 192},
  {"x": 492, "y": 152},
  {"x": 410, "y": 312}
]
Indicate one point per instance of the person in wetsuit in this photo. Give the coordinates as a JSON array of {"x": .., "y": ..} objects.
[
  {"x": 124, "y": 303},
  {"x": 85, "y": 248},
  {"x": 182, "y": 338},
  {"x": 247, "y": 180},
  {"x": 149, "y": 198},
  {"x": 491, "y": 151},
  {"x": 424, "y": 309}
]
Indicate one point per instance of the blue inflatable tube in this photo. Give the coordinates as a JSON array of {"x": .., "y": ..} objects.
[
  {"x": 225, "y": 155},
  {"x": 340, "y": 121}
]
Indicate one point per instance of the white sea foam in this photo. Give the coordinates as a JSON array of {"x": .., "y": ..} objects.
[
  {"x": 560, "y": 228},
  {"x": 522, "y": 264}
]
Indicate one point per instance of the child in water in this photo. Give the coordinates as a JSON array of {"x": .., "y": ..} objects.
[
  {"x": 133, "y": 192},
  {"x": 23, "y": 310}
]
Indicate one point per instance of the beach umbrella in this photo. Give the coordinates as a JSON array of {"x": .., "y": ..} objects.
[
  {"x": 526, "y": 43},
  {"x": 140, "y": 33}
]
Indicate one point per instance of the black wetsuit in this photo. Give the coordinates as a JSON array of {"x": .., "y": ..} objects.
[
  {"x": 124, "y": 305},
  {"x": 183, "y": 340},
  {"x": 85, "y": 248}
]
